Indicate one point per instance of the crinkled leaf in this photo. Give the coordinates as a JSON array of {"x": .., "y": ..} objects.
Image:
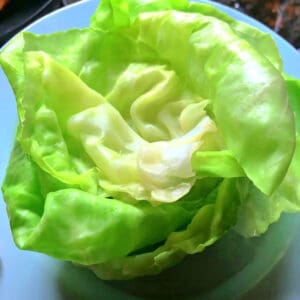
[
  {"x": 68, "y": 223},
  {"x": 208, "y": 225}
]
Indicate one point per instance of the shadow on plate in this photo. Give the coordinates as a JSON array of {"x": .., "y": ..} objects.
[
  {"x": 283, "y": 281},
  {"x": 226, "y": 270}
]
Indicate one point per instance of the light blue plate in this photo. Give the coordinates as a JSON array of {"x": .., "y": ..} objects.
[{"x": 31, "y": 276}]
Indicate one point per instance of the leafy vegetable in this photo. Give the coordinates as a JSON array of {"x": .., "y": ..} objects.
[{"x": 131, "y": 136}]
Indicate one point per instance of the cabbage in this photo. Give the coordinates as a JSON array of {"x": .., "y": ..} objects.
[{"x": 148, "y": 135}]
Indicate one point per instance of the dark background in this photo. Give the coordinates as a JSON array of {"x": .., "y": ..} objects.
[{"x": 283, "y": 16}]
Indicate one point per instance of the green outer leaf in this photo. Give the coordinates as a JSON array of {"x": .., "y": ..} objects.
[
  {"x": 115, "y": 14},
  {"x": 293, "y": 87},
  {"x": 207, "y": 226},
  {"x": 74, "y": 225},
  {"x": 47, "y": 107},
  {"x": 11, "y": 60},
  {"x": 121, "y": 13},
  {"x": 261, "y": 41},
  {"x": 257, "y": 211},
  {"x": 216, "y": 164},
  {"x": 92, "y": 55}
]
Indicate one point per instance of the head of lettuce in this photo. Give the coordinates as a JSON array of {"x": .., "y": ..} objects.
[{"x": 162, "y": 123}]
